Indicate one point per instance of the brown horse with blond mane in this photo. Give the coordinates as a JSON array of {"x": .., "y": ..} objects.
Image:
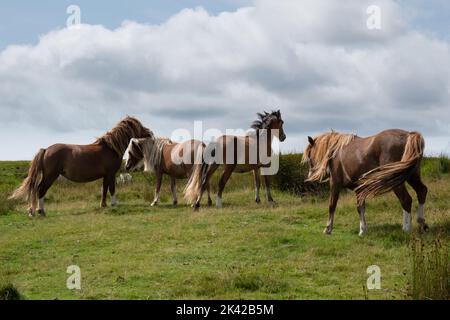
[
  {"x": 162, "y": 156},
  {"x": 80, "y": 163},
  {"x": 370, "y": 166},
  {"x": 235, "y": 153}
]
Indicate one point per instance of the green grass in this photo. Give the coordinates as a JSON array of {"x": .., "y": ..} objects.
[{"x": 243, "y": 251}]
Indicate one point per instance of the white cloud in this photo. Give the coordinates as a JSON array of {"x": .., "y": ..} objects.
[{"x": 316, "y": 60}]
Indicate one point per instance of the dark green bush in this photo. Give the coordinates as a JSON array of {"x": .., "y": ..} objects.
[
  {"x": 292, "y": 174},
  {"x": 9, "y": 292}
]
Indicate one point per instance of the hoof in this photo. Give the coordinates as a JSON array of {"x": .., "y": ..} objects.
[
  {"x": 42, "y": 213},
  {"x": 424, "y": 228},
  {"x": 154, "y": 204},
  {"x": 30, "y": 213},
  {"x": 258, "y": 200},
  {"x": 196, "y": 207},
  {"x": 103, "y": 205},
  {"x": 210, "y": 203},
  {"x": 327, "y": 231}
]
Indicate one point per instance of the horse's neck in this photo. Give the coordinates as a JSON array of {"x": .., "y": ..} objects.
[{"x": 268, "y": 139}]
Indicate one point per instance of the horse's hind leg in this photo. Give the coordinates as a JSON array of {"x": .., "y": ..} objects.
[
  {"x": 421, "y": 190},
  {"x": 406, "y": 201},
  {"x": 208, "y": 189},
  {"x": 362, "y": 219},
  {"x": 46, "y": 183},
  {"x": 173, "y": 188},
  {"x": 228, "y": 170},
  {"x": 205, "y": 184}
]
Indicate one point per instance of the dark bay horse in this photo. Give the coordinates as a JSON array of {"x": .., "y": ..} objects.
[
  {"x": 369, "y": 166},
  {"x": 80, "y": 163},
  {"x": 162, "y": 156},
  {"x": 234, "y": 153}
]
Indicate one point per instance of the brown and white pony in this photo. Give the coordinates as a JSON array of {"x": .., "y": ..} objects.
[
  {"x": 268, "y": 125},
  {"x": 369, "y": 166},
  {"x": 162, "y": 156},
  {"x": 80, "y": 163}
]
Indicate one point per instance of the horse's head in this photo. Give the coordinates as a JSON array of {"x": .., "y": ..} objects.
[
  {"x": 135, "y": 155},
  {"x": 321, "y": 150},
  {"x": 271, "y": 121}
]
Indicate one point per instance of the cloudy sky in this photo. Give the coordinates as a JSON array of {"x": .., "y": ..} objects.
[{"x": 173, "y": 62}]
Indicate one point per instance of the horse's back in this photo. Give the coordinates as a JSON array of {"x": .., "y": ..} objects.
[
  {"x": 365, "y": 154},
  {"x": 81, "y": 163}
]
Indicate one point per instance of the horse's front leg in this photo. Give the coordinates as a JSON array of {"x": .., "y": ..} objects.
[
  {"x": 158, "y": 188},
  {"x": 112, "y": 190},
  {"x": 268, "y": 192},
  {"x": 334, "y": 197},
  {"x": 257, "y": 178},
  {"x": 104, "y": 192},
  {"x": 173, "y": 188}
]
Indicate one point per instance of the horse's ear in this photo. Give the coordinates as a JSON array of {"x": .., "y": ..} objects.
[{"x": 311, "y": 141}]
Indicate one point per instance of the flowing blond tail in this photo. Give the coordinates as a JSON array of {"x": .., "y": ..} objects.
[
  {"x": 194, "y": 185},
  {"x": 29, "y": 187},
  {"x": 385, "y": 178}
]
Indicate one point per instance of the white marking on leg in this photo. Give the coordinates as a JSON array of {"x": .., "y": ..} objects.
[
  {"x": 41, "y": 204},
  {"x": 421, "y": 212},
  {"x": 113, "y": 200},
  {"x": 219, "y": 202},
  {"x": 407, "y": 223},
  {"x": 362, "y": 222},
  {"x": 156, "y": 200}
]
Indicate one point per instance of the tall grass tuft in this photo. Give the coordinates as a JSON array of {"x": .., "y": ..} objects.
[
  {"x": 6, "y": 205},
  {"x": 9, "y": 292},
  {"x": 430, "y": 277},
  {"x": 444, "y": 164}
]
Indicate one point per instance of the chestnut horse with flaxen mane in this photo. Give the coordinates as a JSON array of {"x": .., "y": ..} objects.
[
  {"x": 80, "y": 163},
  {"x": 163, "y": 156},
  {"x": 369, "y": 166}
]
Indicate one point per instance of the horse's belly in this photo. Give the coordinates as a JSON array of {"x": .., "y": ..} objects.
[
  {"x": 242, "y": 168},
  {"x": 79, "y": 177}
]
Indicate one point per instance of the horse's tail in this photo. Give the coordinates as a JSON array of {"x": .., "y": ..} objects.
[
  {"x": 387, "y": 177},
  {"x": 197, "y": 178},
  {"x": 29, "y": 188}
]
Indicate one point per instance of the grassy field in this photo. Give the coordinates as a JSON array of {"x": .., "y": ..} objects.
[{"x": 243, "y": 251}]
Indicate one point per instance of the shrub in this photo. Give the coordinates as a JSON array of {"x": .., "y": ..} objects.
[
  {"x": 292, "y": 174},
  {"x": 430, "y": 277}
]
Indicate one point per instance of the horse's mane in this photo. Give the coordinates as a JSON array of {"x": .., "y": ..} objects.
[
  {"x": 325, "y": 148},
  {"x": 119, "y": 137},
  {"x": 265, "y": 119},
  {"x": 152, "y": 150}
]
